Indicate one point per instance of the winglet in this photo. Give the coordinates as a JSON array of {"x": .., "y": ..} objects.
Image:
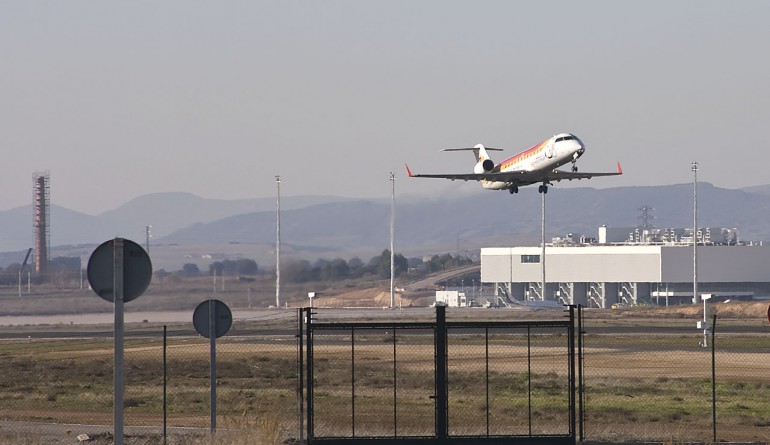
[
  {"x": 620, "y": 170},
  {"x": 407, "y": 170}
]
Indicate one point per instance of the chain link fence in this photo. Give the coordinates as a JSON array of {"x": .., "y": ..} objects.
[
  {"x": 375, "y": 382},
  {"x": 643, "y": 381},
  {"x": 57, "y": 383},
  {"x": 511, "y": 381},
  {"x": 472, "y": 381},
  {"x": 653, "y": 380}
]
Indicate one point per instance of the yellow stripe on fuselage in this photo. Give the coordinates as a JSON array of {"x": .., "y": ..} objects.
[{"x": 510, "y": 162}]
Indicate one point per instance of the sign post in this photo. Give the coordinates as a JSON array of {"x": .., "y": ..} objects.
[
  {"x": 119, "y": 271},
  {"x": 118, "y": 339},
  {"x": 213, "y": 365},
  {"x": 212, "y": 319}
]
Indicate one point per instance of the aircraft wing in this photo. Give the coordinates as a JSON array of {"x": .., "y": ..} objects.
[
  {"x": 559, "y": 175},
  {"x": 460, "y": 176},
  {"x": 518, "y": 176}
]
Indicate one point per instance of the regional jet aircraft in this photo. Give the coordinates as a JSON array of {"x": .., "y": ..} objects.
[{"x": 536, "y": 165}]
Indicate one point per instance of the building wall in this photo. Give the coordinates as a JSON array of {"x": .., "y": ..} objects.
[
  {"x": 451, "y": 298},
  {"x": 717, "y": 264},
  {"x": 573, "y": 264},
  {"x": 496, "y": 265},
  {"x": 619, "y": 264}
]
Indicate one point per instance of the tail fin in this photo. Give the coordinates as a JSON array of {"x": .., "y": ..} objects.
[{"x": 480, "y": 152}]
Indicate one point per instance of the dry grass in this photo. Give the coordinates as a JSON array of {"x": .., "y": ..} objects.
[
  {"x": 234, "y": 430},
  {"x": 640, "y": 387}
]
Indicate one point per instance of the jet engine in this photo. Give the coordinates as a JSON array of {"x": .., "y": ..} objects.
[{"x": 484, "y": 166}]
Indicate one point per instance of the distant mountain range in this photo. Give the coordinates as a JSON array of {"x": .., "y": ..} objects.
[
  {"x": 165, "y": 212},
  {"x": 327, "y": 226}
]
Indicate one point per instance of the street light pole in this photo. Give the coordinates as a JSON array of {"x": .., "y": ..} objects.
[
  {"x": 392, "y": 236},
  {"x": 542, "y": 243},
  {"x": 694, "y": 169},
  {"x": 278, "y": 244}
]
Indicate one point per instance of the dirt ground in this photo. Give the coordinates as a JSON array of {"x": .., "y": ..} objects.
[{"x": 737, "y": 309}]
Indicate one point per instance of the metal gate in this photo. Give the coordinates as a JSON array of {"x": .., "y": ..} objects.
[{"x": 438, "y": 382}]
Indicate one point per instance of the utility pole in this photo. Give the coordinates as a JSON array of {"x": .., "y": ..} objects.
[
  {"x": 542, "y": 243},
  {"x": 278, "y": 245},
  {"x": 694, "y": 169},
  {"x": 147, "y": 237},
  {"x": 392, "y": 235}
]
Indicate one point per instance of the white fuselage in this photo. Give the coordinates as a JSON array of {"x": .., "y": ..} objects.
[{"x": 546, "y": 156}]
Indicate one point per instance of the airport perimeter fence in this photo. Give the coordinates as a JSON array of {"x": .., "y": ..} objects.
[
  {"x": 434, "y": 382},
  {"x": 57, "y": 383},
  {"x": 656, "y": 380},
  {"x": 640, "y": 383}
]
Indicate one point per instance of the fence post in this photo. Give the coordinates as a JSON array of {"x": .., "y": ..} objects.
[
  {"x": 713, "y": 380},
  {"x": 529, "y": 379},
  {"x": 309, "y": 382},
  {"x": 486, "y": 375},
  {"x": 581, "y": 394},
  {"x": 395, "y": 388},
  {"x": 441, "y": 391},
  {"x": 572, "y": 371},
  {"x": 165, "y": 384},
  {"x": 301, "y": 375},
  {"x": 353, "y": 381}
]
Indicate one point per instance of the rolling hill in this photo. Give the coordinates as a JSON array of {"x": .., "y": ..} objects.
[{"x": 343, "y": 227}]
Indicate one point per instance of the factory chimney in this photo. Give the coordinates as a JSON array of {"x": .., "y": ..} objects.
[{"x": 41, "y": 197}]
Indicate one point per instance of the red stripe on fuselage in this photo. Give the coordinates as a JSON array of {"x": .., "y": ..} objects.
[{"x": 516, "y": 158}]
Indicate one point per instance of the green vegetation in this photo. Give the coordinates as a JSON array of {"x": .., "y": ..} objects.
[{"x": 378, "y": 267}]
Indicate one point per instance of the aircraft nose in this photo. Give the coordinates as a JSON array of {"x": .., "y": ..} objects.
[{"x": 577, "y": 148}]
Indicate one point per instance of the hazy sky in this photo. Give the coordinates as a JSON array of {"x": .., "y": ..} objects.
[{"x": 120, "y": 99}]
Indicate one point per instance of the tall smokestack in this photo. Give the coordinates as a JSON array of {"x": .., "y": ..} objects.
[{"x": 42, "y": 214}]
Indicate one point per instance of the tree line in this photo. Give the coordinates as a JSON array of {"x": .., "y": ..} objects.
[
  {"x": 302, "y": 271},
  {"x": 298, "y": 271},
  {"x": 57, "y": 266},
  {"x": 237, "y": 267}
]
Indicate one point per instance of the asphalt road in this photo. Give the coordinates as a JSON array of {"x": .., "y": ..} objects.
[{"x": 283, "y": 322}]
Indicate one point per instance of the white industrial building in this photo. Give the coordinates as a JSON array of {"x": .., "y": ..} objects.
[
  {"x": 452, "y": 298},
  {"x": 600, "y": 275}
]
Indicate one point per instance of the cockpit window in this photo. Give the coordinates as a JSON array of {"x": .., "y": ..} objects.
[{"x": 565, "y": 138}]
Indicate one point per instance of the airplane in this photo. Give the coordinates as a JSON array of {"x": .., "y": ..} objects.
[{"x": 536, "y": 165}]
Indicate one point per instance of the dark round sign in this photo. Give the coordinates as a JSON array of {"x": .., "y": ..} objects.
[
  {"x": 137, "y": 270},
  {"x": 223, "y": 318}
]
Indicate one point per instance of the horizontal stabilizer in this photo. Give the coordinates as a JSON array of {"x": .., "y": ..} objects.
[{"x": 471, "y": 149}]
